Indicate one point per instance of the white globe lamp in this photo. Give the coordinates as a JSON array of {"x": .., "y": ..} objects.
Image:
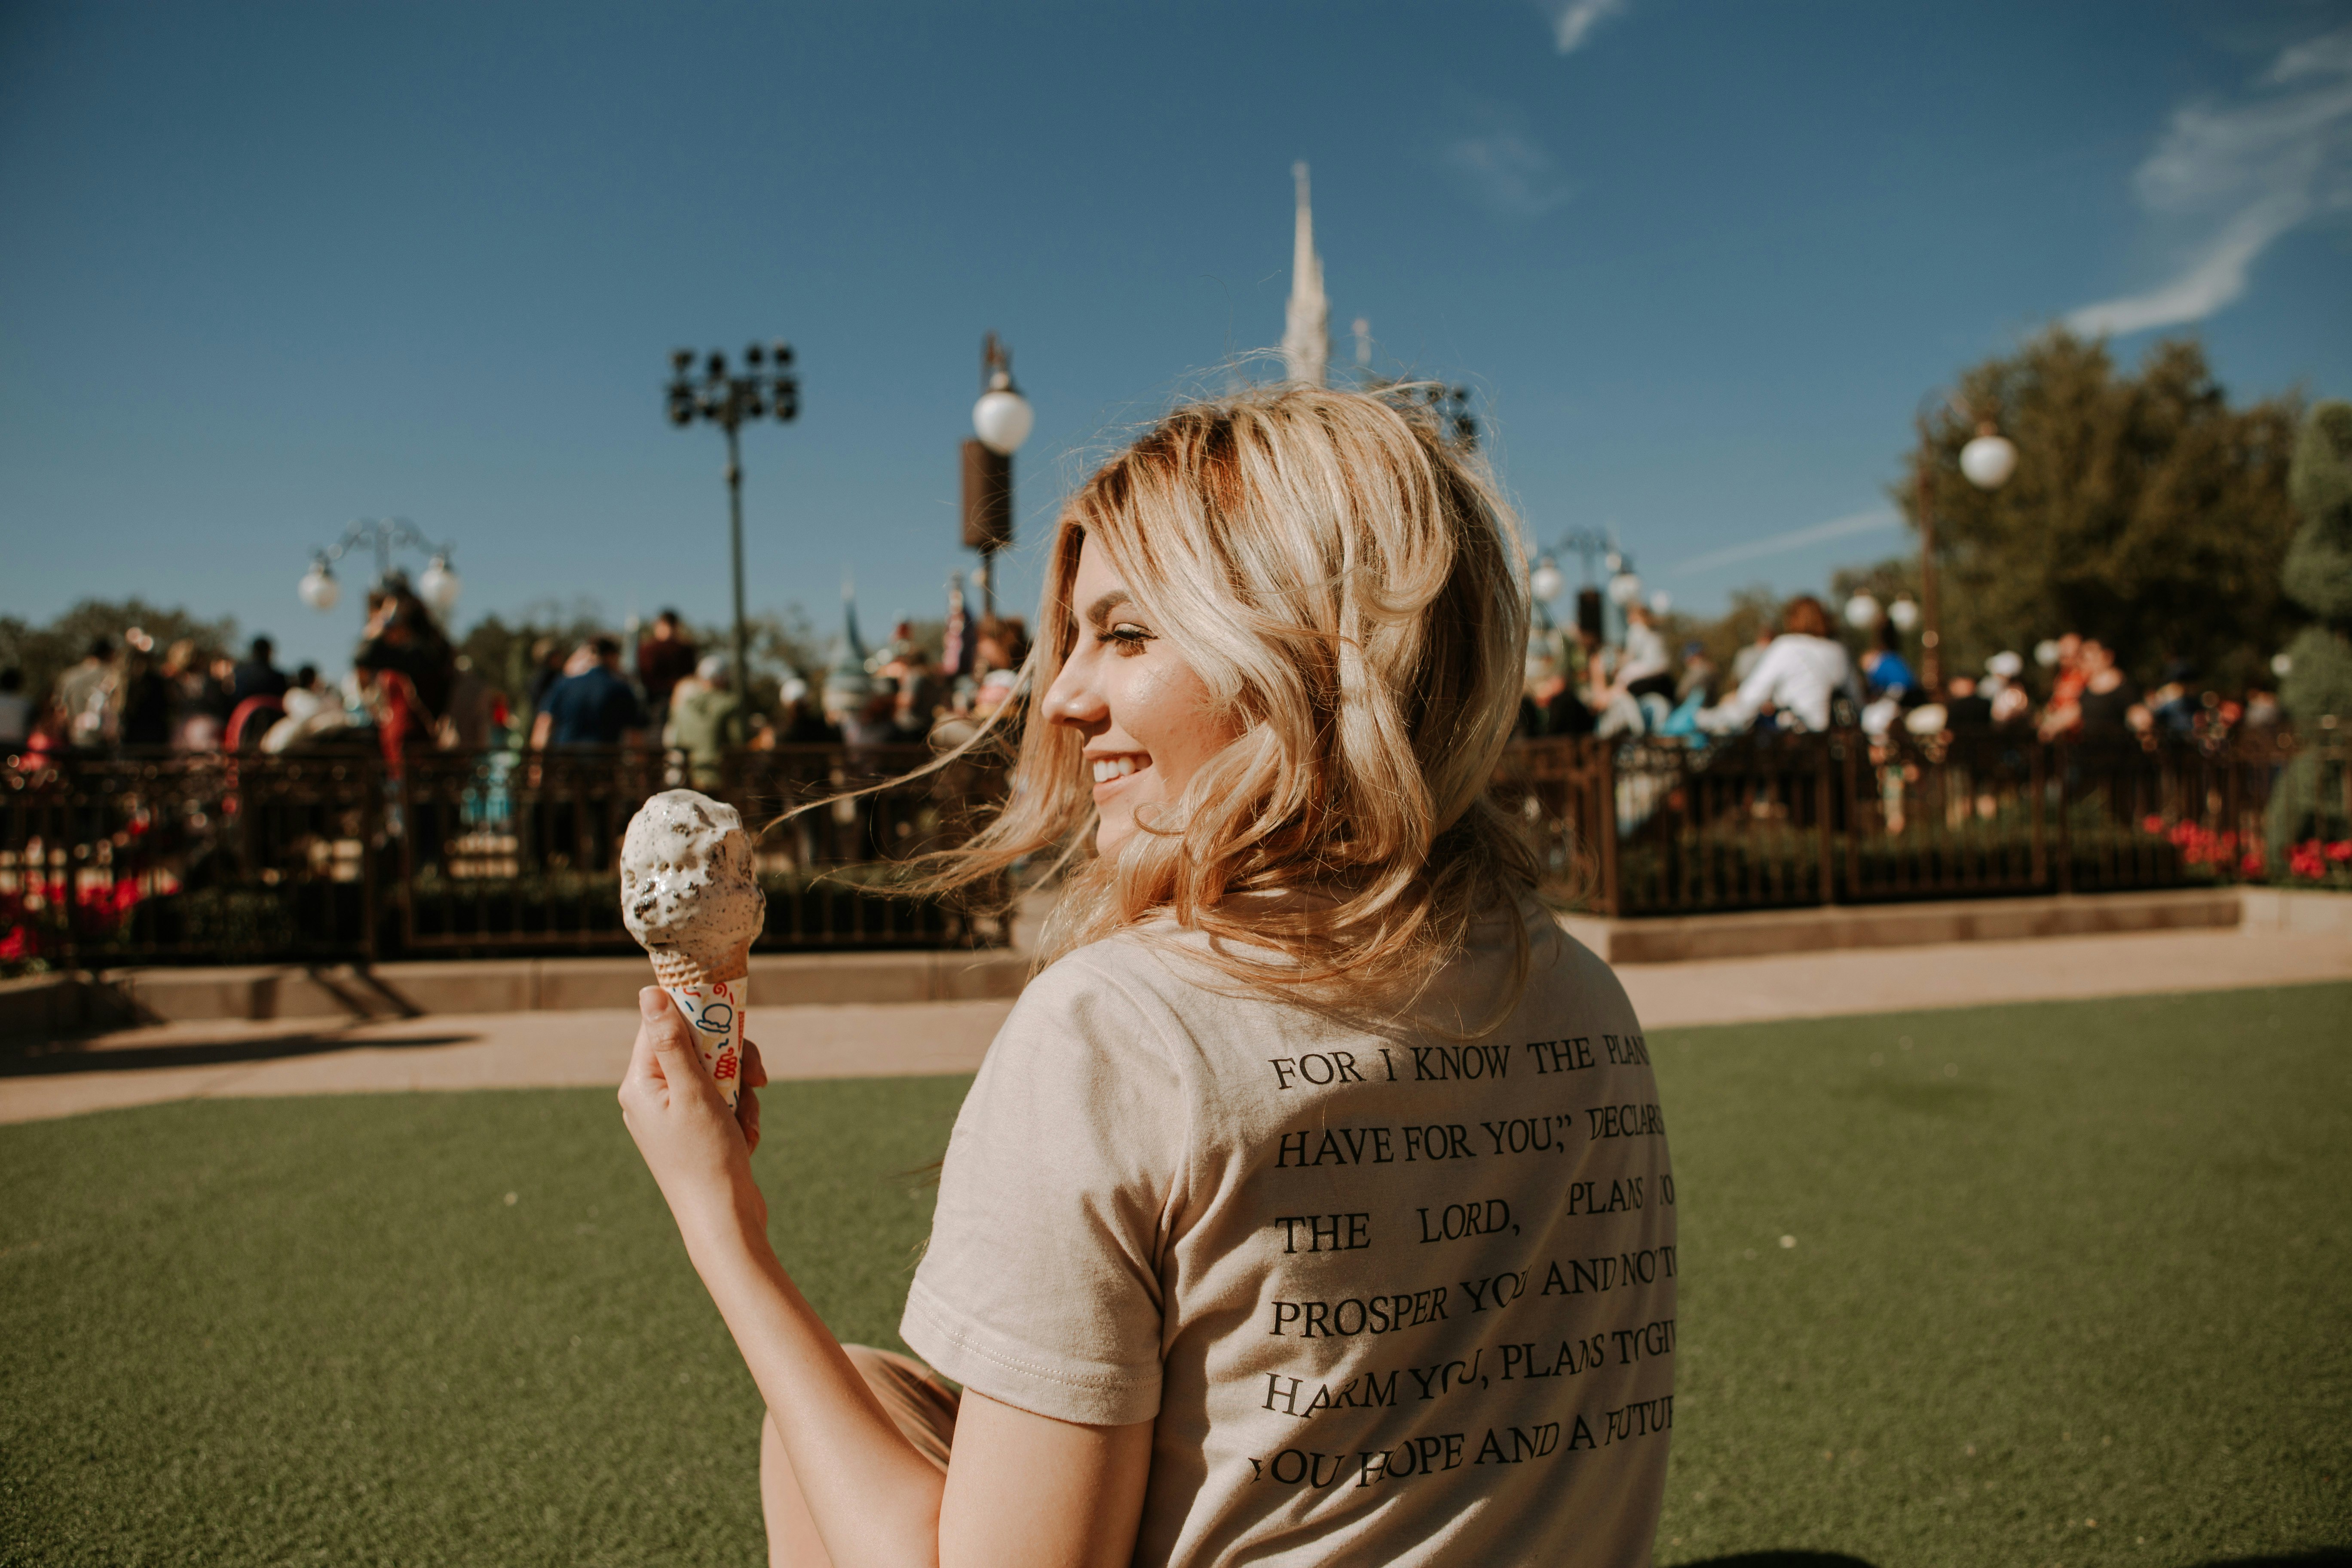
[
  {"x": 1661, "y": 602},
  {"x": 1863, "y": 612},
  {"x": 1904, "y": 613},
  {"x": 319, "y": 588},
  {"x": 2045, "y": 653},
  {"x": 1545, "y": 583},
  {"x": 1623, "y": 589},
  {"x": 1003, "y": 418},
  {"x": 437, "y": 585},
  {"x": 1989, "y": 459}
]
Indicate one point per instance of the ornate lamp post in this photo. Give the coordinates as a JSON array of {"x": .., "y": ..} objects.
[
  {"x": 1001, "y": 421},
  {"x": 1988, "y": 461},
  {"x": 766, "y": 385},
  {"x": 437, "y": 585}
]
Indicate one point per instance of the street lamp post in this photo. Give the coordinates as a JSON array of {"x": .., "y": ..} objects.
[
  {"x": 1001, "y": 421},
  {"x": 1546, "y": 583},
  {"x": 766, "y": 385},
  {"x": 437, "y": 585},
  {"x": 1987, "y": 461}
]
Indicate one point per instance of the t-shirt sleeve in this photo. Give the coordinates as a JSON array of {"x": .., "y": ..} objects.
[{"x": 1041, "y": 1288}]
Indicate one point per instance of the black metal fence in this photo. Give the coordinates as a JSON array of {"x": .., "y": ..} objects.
[
  {"x": 1765, "y": 821},
  {"x": 179, "y": 857}
]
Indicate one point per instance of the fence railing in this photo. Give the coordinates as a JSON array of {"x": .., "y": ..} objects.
[
  {"x": 179, "y": 857},
  {"x": 1766, "y": 821},
  {"x": 203, "y": 856}
]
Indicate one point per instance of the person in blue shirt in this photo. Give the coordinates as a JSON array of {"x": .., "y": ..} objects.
[
  {"x": 1888, "y": 674},
  {"x": 594, "y": 707}
]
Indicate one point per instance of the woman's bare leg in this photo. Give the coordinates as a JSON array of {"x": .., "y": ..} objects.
[{"x": 793, "y": 1540}]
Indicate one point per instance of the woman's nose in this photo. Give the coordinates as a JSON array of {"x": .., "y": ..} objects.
[{"x": 1072, "y": 699}]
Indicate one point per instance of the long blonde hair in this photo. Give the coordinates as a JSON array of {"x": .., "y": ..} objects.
[{"x": 1348, "y": 587}]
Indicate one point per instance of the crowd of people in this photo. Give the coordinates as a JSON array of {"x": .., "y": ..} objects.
[
  {"x": 410, "y": 690},
  {"x": 1798, "y": 675}
]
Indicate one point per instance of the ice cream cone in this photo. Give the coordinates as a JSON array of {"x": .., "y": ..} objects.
[{"x": 690, "y": 893}]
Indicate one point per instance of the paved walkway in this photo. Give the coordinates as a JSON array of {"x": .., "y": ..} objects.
[{"x": 519, "y": 1050}]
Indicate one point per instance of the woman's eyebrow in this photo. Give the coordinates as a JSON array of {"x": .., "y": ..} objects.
[{"x": 1101, "y": 608}]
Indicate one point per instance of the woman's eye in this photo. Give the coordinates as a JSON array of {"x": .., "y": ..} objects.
[{"x": 1125, "y": 637}]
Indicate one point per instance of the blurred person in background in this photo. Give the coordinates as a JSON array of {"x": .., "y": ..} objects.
[
  {"x": 707, "y": 721},
  {"x": 150, "y": 699},
  {"x": 663, "y": 659},
  {"x": 547, "y": 656},
  {"x": 2261, "y": 712},
  {"x": 403, "y": 725},
  {"x": 1002, "y": 643},
  {"x": 89, "y": 699},
  {"x": 1887, "y": 674},
  {"x": 1743, "y": 663},
  {"x": 2108, "y": 695},
  {"x": 402, "y": 634},
  {"x": 1645, "y": 671},
  {"x": 1967, "y": 710},
  {"x": 2062, "y": 715},
  {"x": 466, "y": 725},
  {"x": 1802, "y": 674},
  {"x": 593, "y": 706},
  {"x": 804, "y": 721},
  {"x": 258, "y": 676}
]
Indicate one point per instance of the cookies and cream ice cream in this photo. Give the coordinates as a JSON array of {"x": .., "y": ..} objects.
[{"x": 690, "y": 894}]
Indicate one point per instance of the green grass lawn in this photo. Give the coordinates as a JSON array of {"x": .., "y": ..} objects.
[{"x": 2052, "y": 1265}]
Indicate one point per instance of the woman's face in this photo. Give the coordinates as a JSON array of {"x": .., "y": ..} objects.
[{"x": 1150, "y": 720}]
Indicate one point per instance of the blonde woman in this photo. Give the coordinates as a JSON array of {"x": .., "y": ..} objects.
[{"x": 1313, "y": 1205}]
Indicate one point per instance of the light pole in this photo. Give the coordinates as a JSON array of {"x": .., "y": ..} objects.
[
  {"x": 1546, "y": 582},
  {"x": 1987, "y": 461},
  {"x": 766, "y": 385},
  {"x": 1001, "y": 420},
  {"x": 437, "y": 585}
]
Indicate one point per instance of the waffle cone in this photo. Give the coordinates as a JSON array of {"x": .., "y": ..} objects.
[{"x": 674, "y": 968}]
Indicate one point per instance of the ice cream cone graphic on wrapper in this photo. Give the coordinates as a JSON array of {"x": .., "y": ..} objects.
[{"x": 690, "y": 894}]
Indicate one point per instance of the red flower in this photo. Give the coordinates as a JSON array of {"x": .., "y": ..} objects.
[
  {"x": 2152, "y": 823},
  {"x": 2340, "y": 850}
]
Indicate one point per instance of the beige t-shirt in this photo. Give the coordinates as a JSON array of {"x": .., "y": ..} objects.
[{"x": 1388, "y": 1297}]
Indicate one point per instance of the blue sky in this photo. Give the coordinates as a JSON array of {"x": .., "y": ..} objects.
[{"x": 269, "y": 268}]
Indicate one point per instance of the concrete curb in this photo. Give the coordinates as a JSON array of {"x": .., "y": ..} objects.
[
  {"x": 1765, "y": 932},
  {"x": 46, "y": 1006}
]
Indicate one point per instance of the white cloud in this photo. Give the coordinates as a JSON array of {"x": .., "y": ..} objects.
[
  {"x": 1871, "y": 521},
  {"x": 1573, "y": 22},
  {"x": 2233, "y": 176},
  {"x": 1504, "y": 168}
]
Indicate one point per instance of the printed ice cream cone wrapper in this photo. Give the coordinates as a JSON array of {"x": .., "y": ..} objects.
[{"x": 714, "y": 1010}]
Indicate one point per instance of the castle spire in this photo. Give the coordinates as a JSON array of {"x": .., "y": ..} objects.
[{"x": 1306, "y": 325}]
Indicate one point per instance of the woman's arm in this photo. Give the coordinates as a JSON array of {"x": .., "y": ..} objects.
[{"x": 1023, "y": 1489}]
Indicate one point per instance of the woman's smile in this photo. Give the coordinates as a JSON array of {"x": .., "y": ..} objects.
[{"x": 1111, "y": 768}]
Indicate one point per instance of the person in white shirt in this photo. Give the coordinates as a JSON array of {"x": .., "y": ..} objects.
[
  {"x": 1802, "y": 671},
  {"x": 1313, "y": 1205}
]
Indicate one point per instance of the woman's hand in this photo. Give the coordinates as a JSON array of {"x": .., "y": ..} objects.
[{"x": 699, "y": 1153}]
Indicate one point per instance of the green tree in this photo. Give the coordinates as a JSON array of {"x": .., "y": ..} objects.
[
  {"x": 2318, "y": 690},
  {"x": 2144, "y": 510}
]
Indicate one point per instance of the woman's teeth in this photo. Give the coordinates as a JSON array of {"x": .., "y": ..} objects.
[{"x": 1109, "y": 768}]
